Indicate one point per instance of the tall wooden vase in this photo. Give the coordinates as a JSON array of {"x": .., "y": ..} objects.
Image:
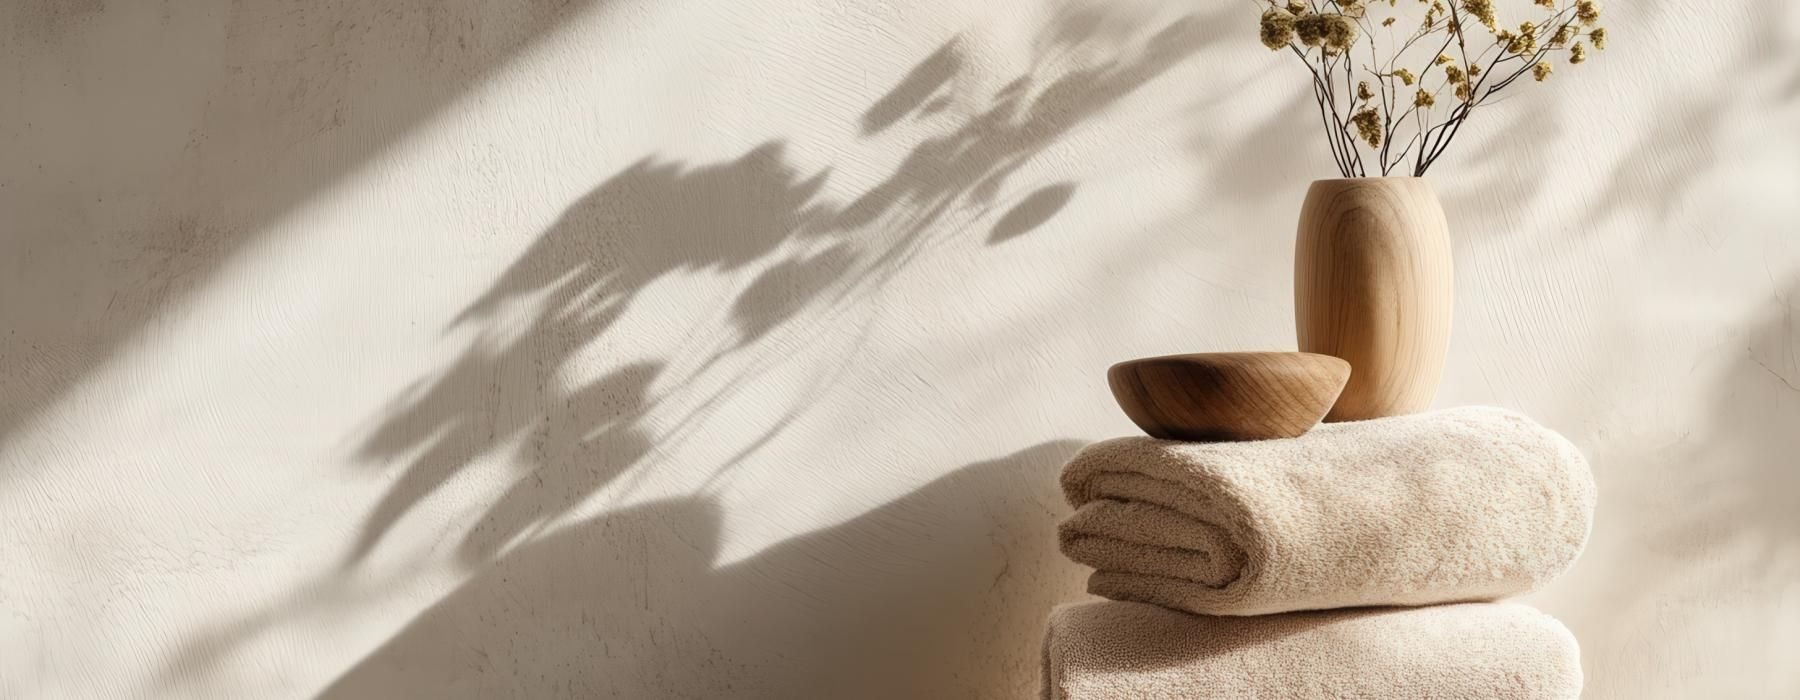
[{"x": 1373, "y": 285}]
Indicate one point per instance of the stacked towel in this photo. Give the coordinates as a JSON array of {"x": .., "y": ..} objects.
[
  {"x": 1464, "y": 504},
  {"x": 1132, "y": 650},
  {"x": 1469, "y": 504}
]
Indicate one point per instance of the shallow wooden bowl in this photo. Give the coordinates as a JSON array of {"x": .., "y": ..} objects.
[{"x": 1228, "y": 396}]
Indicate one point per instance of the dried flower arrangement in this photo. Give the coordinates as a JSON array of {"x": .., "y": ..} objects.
[{"x": 1381, "y": 101}]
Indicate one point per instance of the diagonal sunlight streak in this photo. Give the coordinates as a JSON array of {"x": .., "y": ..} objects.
[{"x": 278, "y": 136}]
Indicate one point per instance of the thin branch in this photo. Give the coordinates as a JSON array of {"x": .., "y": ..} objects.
[
  {"x": 1409, "y": 144},
  {"x": 1562, "y": 19},
  {"x": 1342, "y": 133},
  {"x": 1428, "y": 138},
  {"x": 1319, "y": 97},
  {"x": 1350, "y": 113}
]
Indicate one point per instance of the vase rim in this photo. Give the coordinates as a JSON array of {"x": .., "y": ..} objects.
[{"x": 1369, "y": 178}]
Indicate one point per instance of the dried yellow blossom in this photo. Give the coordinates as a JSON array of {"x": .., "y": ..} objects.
[
  {"x": 1588, "y": 11},
  {"x": 1310, "y": 29},
  {"x": 1340, "y": 33},
  {"x": 1335, "y": 27},
  {"x": 1483, "y": 10},
  {"x": 1333, "y": 32},
  {"x": 1434, "y": 13},
  {"x": 1368, "y": 125},
  {"x": 1522, "y": 43},
  {"x": 1527, "y": 38},
  {"x": 1277, "y": 28}
]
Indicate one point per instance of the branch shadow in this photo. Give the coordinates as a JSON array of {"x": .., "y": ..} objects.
[
  {"x": 1698, "y": 534},
  {"x": 1667, "y": 163},
  {"x": 757, "y": 212},
  {"x": 545, "y": 394},
  {"x": 650, "y": 220},
  {"x": 1703, "y": 538}
]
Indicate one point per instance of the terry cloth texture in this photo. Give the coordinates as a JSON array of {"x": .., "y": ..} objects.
[
  {"x": 1456, "y": 505},
  {"x": 1479, "y": 650}
]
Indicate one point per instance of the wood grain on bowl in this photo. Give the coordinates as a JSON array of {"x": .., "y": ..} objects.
[{"x": 1228, "y": 396}]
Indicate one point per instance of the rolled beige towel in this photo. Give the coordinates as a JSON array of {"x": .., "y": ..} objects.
[
  {"x": 1457, "y": 505},
  {"x": 1473, "y": 650}
]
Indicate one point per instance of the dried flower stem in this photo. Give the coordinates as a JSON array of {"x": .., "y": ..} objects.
[{"x": 1322, "y": 35}]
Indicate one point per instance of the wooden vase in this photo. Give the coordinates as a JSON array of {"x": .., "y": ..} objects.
[{"x": 1373, "y": 284}]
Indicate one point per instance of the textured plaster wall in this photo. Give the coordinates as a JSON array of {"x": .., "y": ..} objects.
[{"x": 688, "y": 348}]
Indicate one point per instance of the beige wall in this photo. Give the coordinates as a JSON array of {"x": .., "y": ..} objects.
[{"x": 696, "y": 348}]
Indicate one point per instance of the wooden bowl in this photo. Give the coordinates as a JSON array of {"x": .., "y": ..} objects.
[{"x": 1228, "y": 396}]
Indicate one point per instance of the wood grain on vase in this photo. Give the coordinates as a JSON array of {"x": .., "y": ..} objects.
[
  {"x": 1228, "y": 396},
  {"x": 1373, "y": 285}
]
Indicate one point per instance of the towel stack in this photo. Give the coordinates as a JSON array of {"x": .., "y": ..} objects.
[{"x": 1213, "y": 553}]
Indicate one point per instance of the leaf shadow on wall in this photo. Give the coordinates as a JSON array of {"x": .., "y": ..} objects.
[
  {"x": 1697, "y": 537},
  {"x": 1707, "y": 525},
  {"x": 632, "y": 602},
  {"x": 1684, "y": 144},
  {"x": 657, "y": 218},
  {"x": 262, "y": 107},
  {"x": 1482, "y": 200},
  {"x": 542, "y": 394}
]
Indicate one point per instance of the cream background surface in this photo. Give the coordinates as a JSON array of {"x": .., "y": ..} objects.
[{"x": 728, "y": 349}]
